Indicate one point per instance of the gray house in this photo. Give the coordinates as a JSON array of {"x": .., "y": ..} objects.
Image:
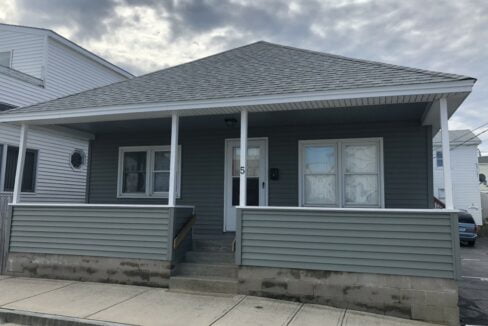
[{"x": 265, "y": 170}]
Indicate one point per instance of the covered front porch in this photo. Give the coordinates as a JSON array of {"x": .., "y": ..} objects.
[
  {"x": 335, "y": 197},
  {"x": 129, "y": 161}
]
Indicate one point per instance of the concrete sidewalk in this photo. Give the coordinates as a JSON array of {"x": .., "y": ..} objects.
[{"x": 60, "y": 302}]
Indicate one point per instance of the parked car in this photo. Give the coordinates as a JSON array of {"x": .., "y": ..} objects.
[{"x": 468, "y": 231}]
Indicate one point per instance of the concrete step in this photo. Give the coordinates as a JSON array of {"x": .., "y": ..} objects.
[
  {"x": 209, "y": 257},
  {"x": 223, "y": 245},
  {"x": 203, "y": 284},
  {"x": 199, "y": 269}
]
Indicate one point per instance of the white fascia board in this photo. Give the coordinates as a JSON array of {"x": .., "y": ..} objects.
[{"x": 168, "y": 107}]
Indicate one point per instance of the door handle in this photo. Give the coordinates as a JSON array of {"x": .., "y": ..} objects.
[{"x": 264, "y": 184}]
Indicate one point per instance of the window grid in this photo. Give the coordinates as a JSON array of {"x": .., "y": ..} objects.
[
  {"x": 149, "y": 171},
  {"x": 341, "y": 170}
]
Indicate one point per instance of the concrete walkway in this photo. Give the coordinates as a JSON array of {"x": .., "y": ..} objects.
[{"x": 84, "y": 303}]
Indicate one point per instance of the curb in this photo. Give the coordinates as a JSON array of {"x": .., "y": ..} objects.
[{"x": 39, "y": 319}]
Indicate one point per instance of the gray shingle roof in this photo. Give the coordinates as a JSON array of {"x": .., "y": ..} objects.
[{"x": 256, "y": 69}]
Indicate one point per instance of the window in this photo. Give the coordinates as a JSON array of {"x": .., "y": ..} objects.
[
  {"x": 438, "y": 158},
  {"x": 441, "y": 193},
  {"x": 30, "y": 167},
  {"x": 341, "y": 173},
  {"x": 5, "y": 58},
  {"x": 144, "y": 171}
]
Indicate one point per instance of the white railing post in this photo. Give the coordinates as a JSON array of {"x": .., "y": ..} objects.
[
  {"x": 243, "y": 163},
  {"x": 20, "y": 163},
  {"x": 173, "y": 159},
  {"x": 446, "y": 153}
]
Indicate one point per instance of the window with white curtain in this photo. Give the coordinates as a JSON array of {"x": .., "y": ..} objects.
[
  {"x": 341, "y": 173},
  {"x": 144, "y": 171}
]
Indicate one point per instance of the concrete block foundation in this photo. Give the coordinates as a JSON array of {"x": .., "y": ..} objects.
[
  {"x": 419, "y": 298},
  {"x": 94, "y": 269}
]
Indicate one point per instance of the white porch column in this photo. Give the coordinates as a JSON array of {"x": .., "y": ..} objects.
[
  {"x": 173, "y": 157},
  {"x": 20, "y": 163},
  {"x": 243, "y": 156},
  {"x": 446, "y": 154}
]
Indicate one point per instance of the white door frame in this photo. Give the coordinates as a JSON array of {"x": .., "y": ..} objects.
[{"x": 227, "y": 173}]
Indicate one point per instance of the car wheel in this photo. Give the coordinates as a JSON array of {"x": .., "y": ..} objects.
[{"x": 471, "y": 243}]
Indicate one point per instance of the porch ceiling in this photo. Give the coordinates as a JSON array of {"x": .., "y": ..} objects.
[{"x": 400, "y": 112}]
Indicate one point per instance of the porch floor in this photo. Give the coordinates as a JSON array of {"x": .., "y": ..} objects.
[{"x": 36, "y": 301}]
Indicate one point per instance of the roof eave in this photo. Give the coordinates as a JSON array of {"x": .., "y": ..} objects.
[{"x": 150, "y": 110}]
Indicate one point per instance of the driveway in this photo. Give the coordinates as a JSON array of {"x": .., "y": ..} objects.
[{"x": 473, "y": 286}]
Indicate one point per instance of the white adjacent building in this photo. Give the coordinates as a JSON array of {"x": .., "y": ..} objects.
[
  {"x": 464, "y": 171},
  {"x": 38, "y": 65}
]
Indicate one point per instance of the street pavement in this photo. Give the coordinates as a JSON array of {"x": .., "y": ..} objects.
[
  {"x": 473, "y": 286},
  {"x": 136, "y": 305}
]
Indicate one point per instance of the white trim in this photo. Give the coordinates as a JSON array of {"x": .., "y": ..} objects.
[
  {"x": 238, "y": 103},
  {"x": 243, "y": 160},
  {"x": 227, "y": 189},
  {"x": 20, "y": 163},
  {"x": 367, "y": 209},
  {"x": 446, "y": 154},
  {"x": 99, "y": 205},
  {"x": 173, "y": 169},
  {"x": 339, "y": 144},
  {"x": 149, "y": 150}
]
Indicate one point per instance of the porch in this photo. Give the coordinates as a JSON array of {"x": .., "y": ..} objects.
[{"x": 149, "y": 178}]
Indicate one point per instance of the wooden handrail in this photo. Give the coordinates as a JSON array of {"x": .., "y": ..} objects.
[{"x": 184, "y": 232}]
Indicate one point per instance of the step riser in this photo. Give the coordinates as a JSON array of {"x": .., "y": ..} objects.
[
  {"x": 206, "y": 270},
  {"x": 212, "y": 245},
  {"x": 197, "y": 285},
  {"x": 210, "y": 248},
  {"x": 209, "y": 257}
]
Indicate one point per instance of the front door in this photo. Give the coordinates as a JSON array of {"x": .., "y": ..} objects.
[{"x": 257, "y": 181}]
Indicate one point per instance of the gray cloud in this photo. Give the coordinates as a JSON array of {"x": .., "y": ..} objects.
[{"x": 450, "y": 35}]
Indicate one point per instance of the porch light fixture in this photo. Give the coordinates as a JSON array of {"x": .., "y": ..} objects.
[{"x": 230, "y": 122}]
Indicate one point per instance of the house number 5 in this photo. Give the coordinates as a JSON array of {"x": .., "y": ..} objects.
[{"x": 243, "y": 170}]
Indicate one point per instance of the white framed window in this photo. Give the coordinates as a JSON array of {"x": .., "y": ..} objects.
[
  {"x": 438, "y": 159},
  {"x": 6, "y": 59},
  {"x": 441, "y": 194},
  {"x": 144, "y": 172},
  {"x": 341, "y": 173}
]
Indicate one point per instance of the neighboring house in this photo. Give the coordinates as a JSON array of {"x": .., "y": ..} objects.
[
  {"x": 464, "y": 171},
  {"x": 483, "y": 173},
  {"x": 309, "y": 176},
  {"x": 37, "y": 65}
]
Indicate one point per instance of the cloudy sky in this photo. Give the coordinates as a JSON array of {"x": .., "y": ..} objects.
[{"x": 146, "y": 35}]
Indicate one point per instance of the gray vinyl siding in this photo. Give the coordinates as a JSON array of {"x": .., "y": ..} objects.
[
  {"x": 410, "y": 243},
  {"x": 123, "y": 232},
  {"x": 406, "y": 164}
]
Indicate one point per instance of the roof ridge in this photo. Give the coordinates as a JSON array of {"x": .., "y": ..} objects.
[{"x": 383, "y": 64}]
